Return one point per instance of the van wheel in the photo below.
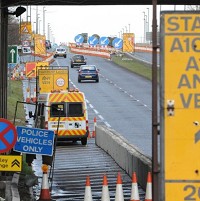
(83, 141)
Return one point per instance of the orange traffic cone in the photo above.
(88, 191)
(34, 96)
(45, 193)
(105, 192)
(28, 95)
(119, 196)
(148, 196)
(94, 131)
(134, 190)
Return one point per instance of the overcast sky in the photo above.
(66, 22)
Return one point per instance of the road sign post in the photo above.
(180, 106)
(12, 54)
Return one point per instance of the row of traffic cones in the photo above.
(30, 98)
(45, 192)
(119, 190)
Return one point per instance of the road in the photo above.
(121, 100)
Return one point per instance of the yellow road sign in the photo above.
(10, 163)
(25, 28)
(42, 65)
(128, 42)
(53, 80)
(180, 88)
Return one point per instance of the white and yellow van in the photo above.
(65, 112)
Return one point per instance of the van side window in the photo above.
(75, 110)
(57, 109)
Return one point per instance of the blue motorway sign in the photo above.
(34, 141)
(93, 40)
(104, 41)
(79, 39)
(117, 43)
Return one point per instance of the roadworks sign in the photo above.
(56, 79)
(10, 163)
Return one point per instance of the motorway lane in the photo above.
(121, 100)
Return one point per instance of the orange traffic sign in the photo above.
(30, 69)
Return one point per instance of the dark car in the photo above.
(88, 72)
(48, 44)
(78, 60)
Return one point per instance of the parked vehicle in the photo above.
(68, 111)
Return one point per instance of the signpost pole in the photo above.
(155, 170)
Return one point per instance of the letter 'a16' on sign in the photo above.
(8, 135)
(180, 105)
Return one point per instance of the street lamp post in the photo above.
(48, 35)
(129, 28)
(126, 29)
(44, 21)
(144, 26)
(37, 20)
(148, 20)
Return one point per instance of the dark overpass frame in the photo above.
(4, 4)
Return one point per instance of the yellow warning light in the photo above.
(45, 168)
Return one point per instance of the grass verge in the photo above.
(134, 65)
(15, 94)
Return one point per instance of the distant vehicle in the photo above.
(78, 60)
(48, 44)
(60, 52)
(88, 72)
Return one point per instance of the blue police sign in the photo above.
(104, 41)
(93, 40)
(34, 141)
(117, 43)
(79, 39)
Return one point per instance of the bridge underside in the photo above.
(96, 2)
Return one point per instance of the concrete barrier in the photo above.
(127, 156)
